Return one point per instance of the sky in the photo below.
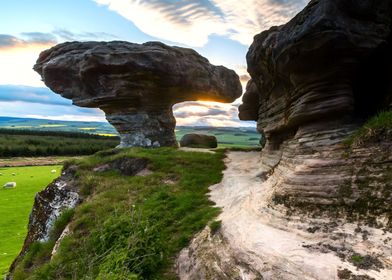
(220, 30)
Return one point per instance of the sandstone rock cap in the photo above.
(135, 84)
(104, 74)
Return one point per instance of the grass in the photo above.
(131, 227)
(371, 130)
(215, 226)
(16, 204)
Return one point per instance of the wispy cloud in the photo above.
(29, 39)
(26, 39)
(14, 93)
(191, 22)
(67, 35)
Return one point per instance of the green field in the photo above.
(16, 204)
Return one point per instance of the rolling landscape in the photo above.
(196, 140)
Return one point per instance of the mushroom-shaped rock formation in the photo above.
(136, 85)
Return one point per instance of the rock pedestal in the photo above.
(136, 85)
(144, 128)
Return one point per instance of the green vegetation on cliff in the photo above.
(374, 128)
(130, 227)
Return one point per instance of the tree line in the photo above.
(27, 143)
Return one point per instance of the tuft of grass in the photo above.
(132, 227)
(371, 130)
(215, 226)
(356, 259)
(60, 224)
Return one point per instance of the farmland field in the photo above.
(16, 204)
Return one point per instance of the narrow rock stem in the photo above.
(144, 127)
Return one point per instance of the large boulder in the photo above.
(194, 140)
(136, 85)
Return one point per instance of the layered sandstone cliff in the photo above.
(316, 204)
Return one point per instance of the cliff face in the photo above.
(314, 81)
(317, 204)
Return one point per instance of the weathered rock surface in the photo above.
(311, 207)
(258, 241)
(194, 140)
(314, 81)
(136, 85)
(126, 166)
(49, 204)
(331, 61)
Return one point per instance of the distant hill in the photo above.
(227, 136)
(54, 125)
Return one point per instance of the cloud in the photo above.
(31, 39)
(64, 34)
(192, 22)
(39, 37)
(197, 113)
(208, 112)
(14, 93)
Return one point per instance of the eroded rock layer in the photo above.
(314, 81)
(315, 205)
(136, 85)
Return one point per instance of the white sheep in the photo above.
(53, 171)
(9, 185)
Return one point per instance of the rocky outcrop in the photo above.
(135, 85)
(194, 140)
(257, 240)
(314, 81)
(62, 194)
(313, 206)
(126, 166)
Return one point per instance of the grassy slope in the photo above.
(15, 206)
(131, 227)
